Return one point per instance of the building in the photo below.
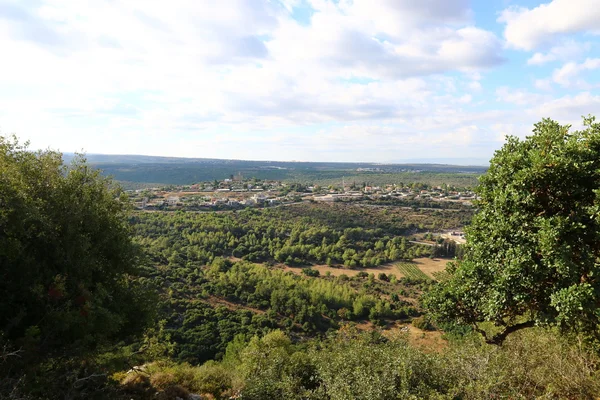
(172, 200)
(327, 198)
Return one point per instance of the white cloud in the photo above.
(543, 84)
(569, 108)
(396, 18)
(529, 28)
(570, 50)
(355, 38)
(569, 74)
(518, 97)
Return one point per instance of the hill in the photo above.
(133, 170)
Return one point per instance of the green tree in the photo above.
(67, 264)
(533, 249)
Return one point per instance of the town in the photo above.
(237, 192)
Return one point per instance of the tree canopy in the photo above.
(66, 257)
(533, 248)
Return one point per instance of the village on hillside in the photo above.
(236, 192)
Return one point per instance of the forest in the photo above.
(296, 235)
(224, 271)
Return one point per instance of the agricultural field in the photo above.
(440, 276)
(432, 267)
(411, 270)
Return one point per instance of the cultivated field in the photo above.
(411, 270)
(419, 268)
(432, 267)
(335, 271)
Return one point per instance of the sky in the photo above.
(308, 80)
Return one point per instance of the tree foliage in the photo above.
(66, 257)
(532, 254)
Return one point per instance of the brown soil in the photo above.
(429, 266)
(323, 269)
(425, 264)
(427, 340)
(430, 340)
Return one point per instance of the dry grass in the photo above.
(429, 265)
(425, 340)
(323, 269)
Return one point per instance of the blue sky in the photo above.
(313, 80)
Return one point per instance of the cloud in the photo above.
(518, 97)
(29, 26)
(365, 45)
(527, 29)
(569, 74)
(570, 50)
(543, 84)
(569, 108)
(396, 18)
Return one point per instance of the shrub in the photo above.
(161, 380)
(423, 323)
(310, 272)
(213, 379)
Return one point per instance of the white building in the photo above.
(172, 200)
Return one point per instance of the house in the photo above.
(326, 198)
(259, 198)
(172, 200)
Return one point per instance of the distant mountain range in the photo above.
(484, 162)
(142, 159)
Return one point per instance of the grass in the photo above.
(410, 270)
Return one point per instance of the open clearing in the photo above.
(431, 265)
(426, 340)
(426, 265)
(335, 271)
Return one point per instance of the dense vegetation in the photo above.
(206, 306)
(296, 235)
(369, 366)
(534, 247)
(68, 266)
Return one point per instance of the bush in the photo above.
(423, 323)
(213, 379)
(310, 272)
(162, 380)
(173, 393)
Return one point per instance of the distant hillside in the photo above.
(137, 169)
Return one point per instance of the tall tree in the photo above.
(67, 263)
(532, 252)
